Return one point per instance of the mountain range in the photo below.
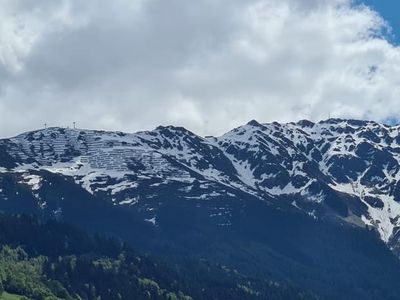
(313, 204)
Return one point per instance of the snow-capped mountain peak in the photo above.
(348, 170)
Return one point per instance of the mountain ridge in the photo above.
(345, 169)
(313, 204)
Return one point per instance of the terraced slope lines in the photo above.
(343, 170)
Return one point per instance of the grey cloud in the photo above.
(207, 65)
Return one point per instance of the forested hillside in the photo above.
(56, 261)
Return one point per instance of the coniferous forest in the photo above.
(51, 260)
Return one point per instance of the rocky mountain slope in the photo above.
(345, 169)
(268, 198)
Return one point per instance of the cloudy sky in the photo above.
(208, 65)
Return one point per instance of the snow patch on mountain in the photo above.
(301, 162)
(34, 181)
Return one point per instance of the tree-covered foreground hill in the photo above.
(56, 261)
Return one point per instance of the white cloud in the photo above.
(207, 65)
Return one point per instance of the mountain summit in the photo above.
(302, 202)
(346, 170)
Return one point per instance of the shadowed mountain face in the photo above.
(271, 198)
